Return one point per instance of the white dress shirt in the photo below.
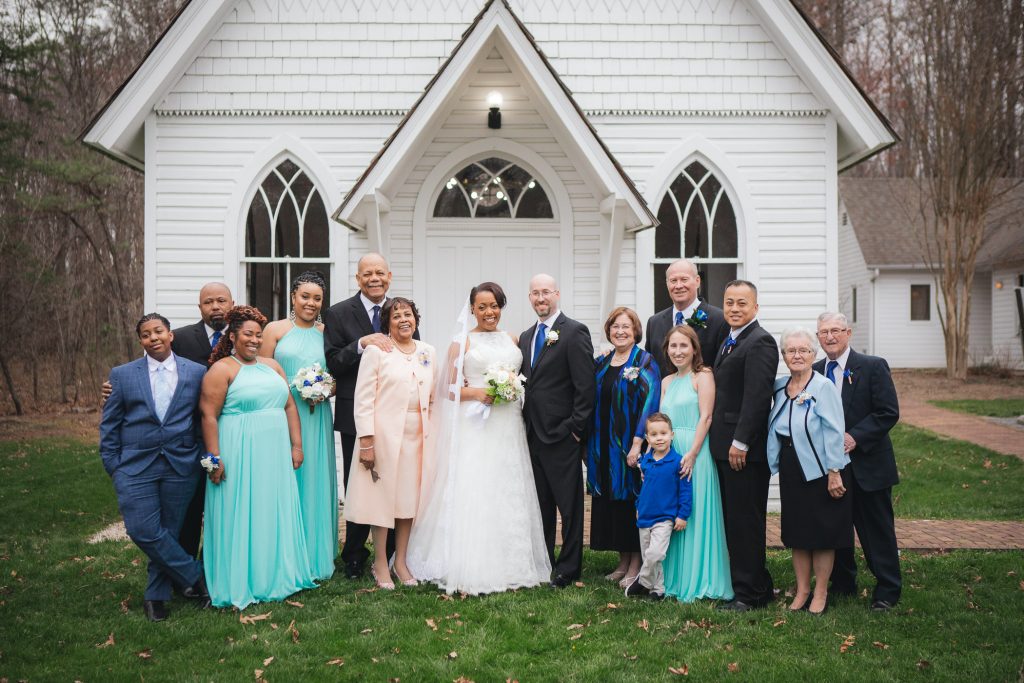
(210, 332)
(687, 312)
(368, 305)
(170, 366)
(843, 359)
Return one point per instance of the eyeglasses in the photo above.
(798, 352)
(541, 293)
(833, 332)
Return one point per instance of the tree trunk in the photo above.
(11, 389)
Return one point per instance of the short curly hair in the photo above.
(390, 305)
(234, 319)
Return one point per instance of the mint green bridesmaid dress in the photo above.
(318, 477)
(697, 563)
(254, 548)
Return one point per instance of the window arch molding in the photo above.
(512, 151)
(659, 182)
(281, 148)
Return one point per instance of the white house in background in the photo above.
(891, 297)
(632, 133)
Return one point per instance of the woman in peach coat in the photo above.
(392, 415)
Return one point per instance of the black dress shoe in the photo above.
(562, 581)
(155, 610)
(198, 592)
(637, 589)
(881, 606)
(735, 606)
(354, 569)
(656, 597)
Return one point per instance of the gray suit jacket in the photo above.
(711, 336)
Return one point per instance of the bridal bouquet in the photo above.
(314, 385)
(504, 383)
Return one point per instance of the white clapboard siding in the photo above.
(1006, 346)
(345, 54)
(854, 273)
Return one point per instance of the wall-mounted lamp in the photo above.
(999, 284)
(494, 101)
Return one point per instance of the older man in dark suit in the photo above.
(683, 282)
(349, 327)
(871, 409)
(745, 368)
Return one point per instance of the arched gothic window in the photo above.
(493, 188)
(286, 232)
(697, 222)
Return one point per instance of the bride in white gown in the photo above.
(478, 529)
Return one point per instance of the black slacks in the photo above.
(192, 524)
(874, 521)
(354, 550)
(744, 507)
(558, 474)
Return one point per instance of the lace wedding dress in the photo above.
(479, 526)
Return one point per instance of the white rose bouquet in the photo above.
(314, 385)
(504, 383)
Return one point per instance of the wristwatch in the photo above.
(833, 471)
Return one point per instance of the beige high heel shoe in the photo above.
(385, 585)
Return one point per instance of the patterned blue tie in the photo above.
(375, 320)
(538, 343)
(161, 392)
(830, 370)
(215, 339)
(679, 318)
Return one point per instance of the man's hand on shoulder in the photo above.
(378, 339)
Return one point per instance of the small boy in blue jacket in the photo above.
(661, 508)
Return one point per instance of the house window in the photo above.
(697, 222)
(493, 188)
(853, 305)
(920, 302)
(286, 232)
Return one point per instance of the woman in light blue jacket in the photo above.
(805, 446)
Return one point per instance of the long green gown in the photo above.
(254, 548)
(697, 563)
(318, 477)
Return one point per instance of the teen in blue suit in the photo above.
(150, 449)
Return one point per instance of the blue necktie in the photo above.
(538, 343)
(215, 338)
(727, 346)
(375, 321)
(161, 392)
(830, 370)
(679, 317)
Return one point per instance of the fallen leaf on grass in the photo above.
(779, 623)
(247, 619)
(572, 627)
(576, 636)
(432, 624)
(679, 670)
(987, 464)
(1022, 585)
(394, 680)
(880, 645)
(374, 660)
(579, 584)
(848, 642)
(444, 597)
(453, 655)
(630, 657)
(267, 661)
(258, 673)
(644, 624)
(294, 603)
(365, 631)
(365, 590)
(337, 661)
(294, 631)
(124, 605)
(462, 679)
(965, 486)
(923, 664)
(604, 621)
(733, 667)
(273, 626)
(612, 605)
(145, 654)
(106, 643)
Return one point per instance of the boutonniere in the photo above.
(848, 376)
(424, 359)
(803, 397)
(631, 373)
(699, 319)
(551, 338)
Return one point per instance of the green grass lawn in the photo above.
(62, 601)
(997, 407)
(943, 478)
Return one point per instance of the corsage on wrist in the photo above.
(210, 463)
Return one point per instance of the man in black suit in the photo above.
(745, 368)
(195, 342)
(683, 283)
(349, 327)
(871, 409)
(558, 362)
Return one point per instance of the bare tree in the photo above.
(960, 71)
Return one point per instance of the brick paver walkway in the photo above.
(980, 431)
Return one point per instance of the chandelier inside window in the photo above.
(493, 188)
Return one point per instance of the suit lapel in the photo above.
(721, 357)
(848, 385)
(201, 338)
(555, 327)
(182, 378)
(142, 374)
(527, 351)
(359, 312)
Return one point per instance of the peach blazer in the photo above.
(381, 405)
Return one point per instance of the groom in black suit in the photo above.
(349, 327)
(558, 362)
(871, 410)
(745, 368)
(683, 283)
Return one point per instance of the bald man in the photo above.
(349, 327)
(683, 283)
(558, 362)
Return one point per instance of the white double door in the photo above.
(458, 261)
